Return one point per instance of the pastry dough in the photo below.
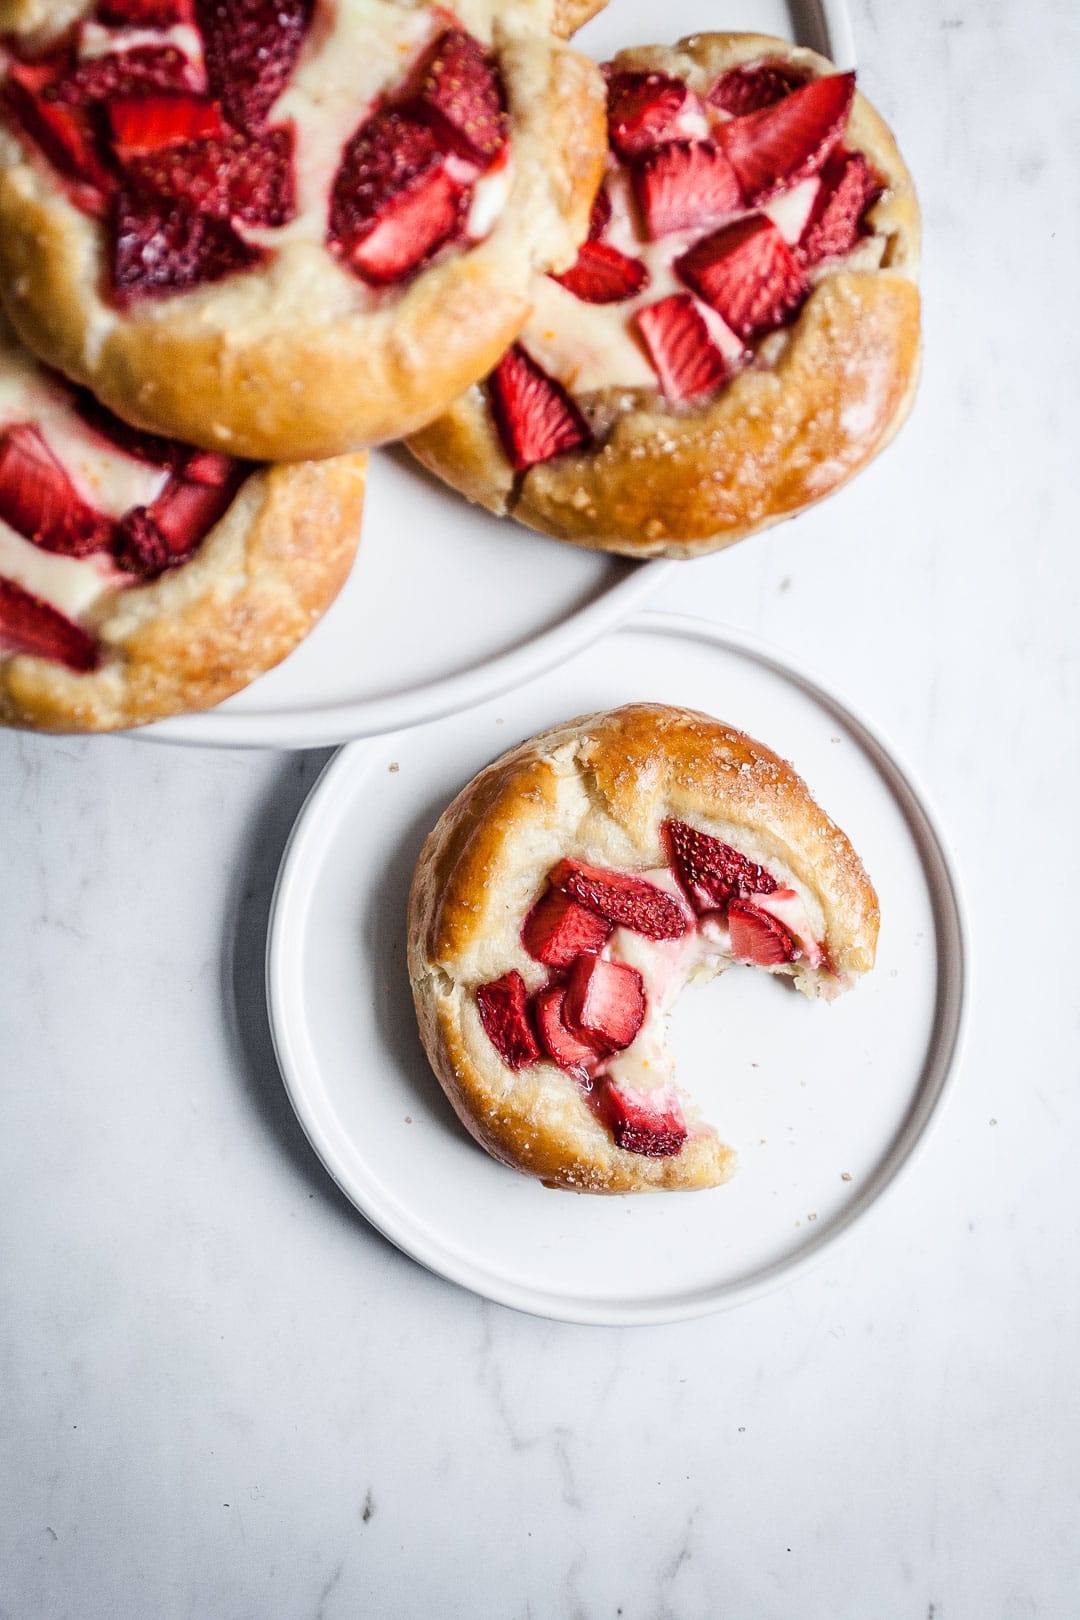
(606, 791)
(823, 395)
(297, 356)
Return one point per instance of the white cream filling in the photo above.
(71, 584)
(95, 40)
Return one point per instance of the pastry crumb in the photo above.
(394, 766)
(845, 1175)
(408, 1119)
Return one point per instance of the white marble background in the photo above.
(223, 1396)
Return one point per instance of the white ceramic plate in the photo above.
(825, 1103)
(447, 605)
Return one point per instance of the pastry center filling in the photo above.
(619, 949)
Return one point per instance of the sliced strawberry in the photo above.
(39, 501)
(248, 180)
(775, 147)
(756, 937)
(848, 188)
(747, 272)
(748, 89)
(629, 901)
(686, 359)
(459, 96)
(504, 1013)
(143, 124)
(34, 627)
(557, 930)
(146, 13)
(570, 1052)
(603, 275)
(394, 201)
(251, 49)
(162, 246)
(534, 414)
(600, 217)
(153, 538)
(605, 1003)
(685, 185)
(143, 70)
(646, 109)
(709, 871)
(65, 134)
(647, 1122)
(206, 467)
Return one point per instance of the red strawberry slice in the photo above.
(34, 627)
(570, 1052)
(645, 109)
(605, 1003)
(631, 902)
(459, 96)
(146, 13)
(848, 188)
(394, 202)
(534, 414)
(504, 1013)
(557, 930)
(775, 147)
(748, 89)
(153, 538)
(142, 124)
(162, 246)
(600, 217)
(685, 185)
(647, 1122)
(39, 501)
(709, 871)
(686, 359)
(603, 275)
(143, 70)
(747, 272)
(65, 134)
(758, 938)
(251, 49)
(247, 180)
(206, 467)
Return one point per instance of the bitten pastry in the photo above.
(284, 229)
(565, 898)
(140, 577)
(739, 334)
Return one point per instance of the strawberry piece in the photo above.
(600, 216)
(142, 124)
(646, 109)
(848, 188)
(248, 180)
(747, 272)
(557, 930)
(647, 1122)
(146, 13)
(394, 202)
(206, 467)
(534, 414)
(251, 49)
(143, 70)
(748, 89)
(775, 147)
(504, 1013)
(65, 134)
(39, 501)
(570, 1052)
(629, 901)
(34, 627)
(686, 359)
(459, 97)
(758, 938)
(165, 246)
(603, 275)
(685, 185)
(709, 871)
(605, 1003)
(152, 538)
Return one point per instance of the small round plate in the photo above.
(825, 1103)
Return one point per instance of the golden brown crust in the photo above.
(679, 482)
(260, 581)
(295, 361)
(598, 789)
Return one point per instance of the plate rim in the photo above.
(954, 991)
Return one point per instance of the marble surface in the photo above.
(223, 1395)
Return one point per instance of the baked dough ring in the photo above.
(680, 481)
(259, 581)
(598, 790)
(298, 358)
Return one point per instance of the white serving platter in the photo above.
(448, 606)
(825, 1103)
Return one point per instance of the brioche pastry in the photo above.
(739, 335)
(282, 229)
(566, 896)
(139, 577)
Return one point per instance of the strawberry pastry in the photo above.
(738, 335)
(140, 577)
(286, 228)
(566, 897)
